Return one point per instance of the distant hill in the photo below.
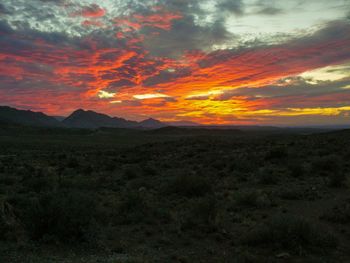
(94, 120)
(183, 124)
(152, 123)
(27, 117)
(191, 131)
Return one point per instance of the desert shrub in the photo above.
(204, 210)
(337, 179)
(277, 152)
(149, 170)
(64, 217)
(131, 172)
(290, 232)
(296, 169)
(72, 163)
(7, 180)
(136, 208)
(190, 185)
(292, 193)
(269, 175)
(199, 214)
(327, 164)
(251, 198)
(38, 183)
(242, 164)
(10, 228)
(340, 213)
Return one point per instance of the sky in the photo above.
(243, 62)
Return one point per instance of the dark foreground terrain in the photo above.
(173, 196)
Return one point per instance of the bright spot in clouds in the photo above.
(150, 96)
(105, 95)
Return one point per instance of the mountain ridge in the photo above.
(80, 118)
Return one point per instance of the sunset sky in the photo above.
(260, 62)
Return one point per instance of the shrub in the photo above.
(251, 198)
(131, 172)
(10, 227)
(199, 214)
(290, 232)
(296, 169)
(190, 186)
(132, 209)
(278, 152)
(61, 217)
(269, 175)
(339, 213)
(337, 179)
(327, 164)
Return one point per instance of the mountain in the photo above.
(27, 117)
(93, 120)
(59, 118)
(183, 124)
(194, 131)
(78, 119)
(152, 124)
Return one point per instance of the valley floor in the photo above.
(104, 197)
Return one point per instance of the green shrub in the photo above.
(190, 186)
(290, 232)
(269, 175)
(327, 164)
(251, 198)
(340, 213)
(64, 217)
(199, 214)
(135, 208)
(296, 169)
(277, 152)
(337, 179)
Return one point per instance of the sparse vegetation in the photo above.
(111, 197)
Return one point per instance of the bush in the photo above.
(251, 198)
(296, 169)
(327, 164)
(339, 213)
(276, 153)
(290, 232)
(64, 217)
(190, 186)
(199, 215)
(337, 179)
(10, 227)
(269, 175)
(132, 209)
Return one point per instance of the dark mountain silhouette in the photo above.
(78, 119)
(190, 131)
(27, 117)
(152, 123)
(93, 120)
(183, 124)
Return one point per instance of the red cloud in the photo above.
(92, 11)
(88, 23)
(160, 18)
(73, 76)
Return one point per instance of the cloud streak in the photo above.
(171, 60)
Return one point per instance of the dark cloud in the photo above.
(289, 87)
(270, 11)
(232, 6)
(5, 28)
(4, 10)
(185, 36)
(166, 76)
